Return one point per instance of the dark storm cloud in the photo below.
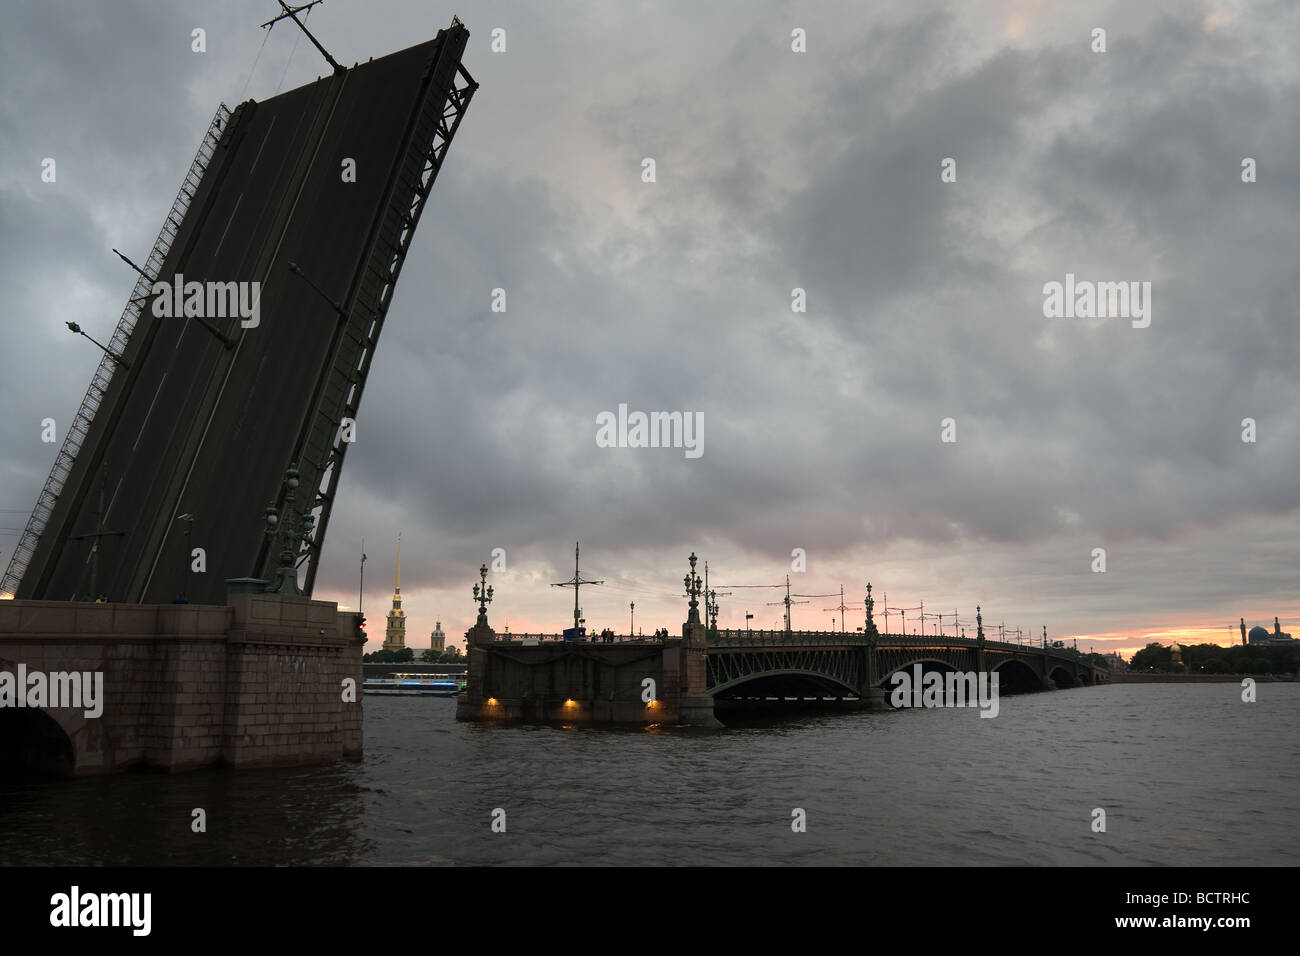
(775, 170)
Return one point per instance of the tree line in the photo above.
(406, 655)
(1216, 659)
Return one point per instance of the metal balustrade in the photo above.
(777, 638)
(517, 638)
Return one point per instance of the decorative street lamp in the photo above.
(185, 582)
(73, 326)
(692, 582)
(483, 594)
(289, 532)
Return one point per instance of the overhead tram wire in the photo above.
(637, 591)
(265, 36)
(297, 39)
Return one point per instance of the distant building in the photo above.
(395, 633)
(437, 640)
(1115, 662)
(1260, 635)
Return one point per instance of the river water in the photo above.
(1187, 774)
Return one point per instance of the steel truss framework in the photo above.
(893, 659)
(320, 456)
(843, 667)
(851, 663)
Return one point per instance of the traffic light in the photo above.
(360, 628)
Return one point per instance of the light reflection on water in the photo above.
(1187, 774)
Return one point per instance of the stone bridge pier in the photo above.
(260, 681)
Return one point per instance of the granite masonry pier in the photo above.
(265, 680)
(631, 682)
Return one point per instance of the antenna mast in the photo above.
(575, 582)
(292, 13)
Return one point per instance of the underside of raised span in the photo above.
(201, 419)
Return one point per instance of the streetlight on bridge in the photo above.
(188, 518)
(74, 327)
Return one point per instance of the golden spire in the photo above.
(397, 582)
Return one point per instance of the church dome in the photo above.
(1258, 633)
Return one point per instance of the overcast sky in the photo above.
(775, 170)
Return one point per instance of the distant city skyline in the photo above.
(782, 180)
(548, 611)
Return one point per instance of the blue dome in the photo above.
(1258, 633)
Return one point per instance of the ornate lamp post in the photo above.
(693, 583)
(870, 629)
(74, 327)
(483, 594)
(188, 518)
(288, 531)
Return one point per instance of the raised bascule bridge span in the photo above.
(172, 552)
(688, 678)
(307, 201)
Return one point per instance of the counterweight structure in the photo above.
(202, 419)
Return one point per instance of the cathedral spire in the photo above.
(395, 633)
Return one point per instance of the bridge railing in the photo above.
(519, 638)
(777, 638)
(726, 637)
(745, 638)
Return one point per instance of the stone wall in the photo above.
(258, 682)
(573, 682)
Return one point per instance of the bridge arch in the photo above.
(32, 741)
(1016, 676)
(930, 665)
(927, 664)
(36, 740)
(783, 683)
(1063, 676)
